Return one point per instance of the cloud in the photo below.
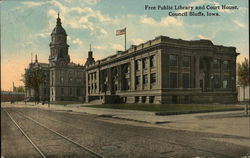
(202, 37)
(30, 4)
(117, 47)
(77, 41)
(137, 41)
(44, 34)
(103, 31)
(85, 18)
(100, 47)
(69, 38)
(166, 21)
(240, 24)
(90, 2)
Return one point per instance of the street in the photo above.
(64, 133)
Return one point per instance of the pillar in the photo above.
(197, 72)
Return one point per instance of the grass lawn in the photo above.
(65, 102)
(171, 108)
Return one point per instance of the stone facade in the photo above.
(165, 70)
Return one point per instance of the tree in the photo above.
(32, 79)
(243, 75)
(19, 89)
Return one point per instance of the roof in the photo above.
(59, 29)
(193, 44)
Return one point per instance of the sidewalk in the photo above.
(227, 123)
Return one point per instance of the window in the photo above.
(44, 91)
(143, 99)
(174, 99)
(225, 65)
(62, 91)
(216, 81)
(216, 64)
(225, 81)
(186, 80)
(137, 67)
(173, 80)
(152, 61)
(137, 80)
(127, 83)
(78, 80)
(126, 68)
(144, 63)
(136, 99)
(186, 61)
(145, 79)
(151, 99)
(89, 77)
(186, 99)
(153, 78)
(70, 80)
(173, 60)
(61, 80)
(78, 91)
(70, 91)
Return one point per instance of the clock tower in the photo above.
(58, 46)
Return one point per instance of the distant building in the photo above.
(7, 96)
(165, 70)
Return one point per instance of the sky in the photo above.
(26, 27)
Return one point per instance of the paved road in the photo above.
(108, 137)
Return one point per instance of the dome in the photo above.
(58, 29)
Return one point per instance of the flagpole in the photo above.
(125, 38)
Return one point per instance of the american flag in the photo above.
(121, 32)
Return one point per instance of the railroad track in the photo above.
(53, 138)
(147, 137)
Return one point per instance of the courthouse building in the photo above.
(64, 80)
(165, 70)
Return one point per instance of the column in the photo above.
(192, 72)
(211, 77)
(233, 77)
(119, 77)
(141, 73)
(179, 71)
(132, 74)
(197, 72)
(148, 72)
(98, 80)
(109, 80)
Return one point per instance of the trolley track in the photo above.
(52, 139)
(155, 140)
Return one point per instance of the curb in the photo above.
(193, 112)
